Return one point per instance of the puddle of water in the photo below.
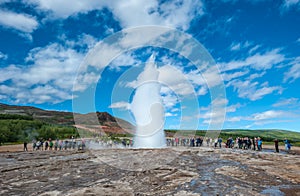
(272, 191)
(210, 183)
(69, 157)
(273, 151)
(7, 161)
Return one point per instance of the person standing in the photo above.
(33, 145)
(50, 144)
(46, 145)
(42, 144)
(287, 144)
(56, 145)
(207, 141)
(198, 142)
(38, 145)
(240, 142)
(192, 141)
(276, 142)
(259, 144)
(249, 143)
(254, 143)
(216, 142)
(220, 142)
(25, 146)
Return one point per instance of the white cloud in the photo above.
(8, 90)
(291, 102)
(169, 99)
(169, 114)
(120, 105)
(191, 82)
(216, 116)
(270, 114)
(265, 117)
(231, 76)
(202, 91)
(233, 108)
(294, 72)
(64, 9)
(4, 1)
(236, 46)
(84, 80)
(260, 93)
(9, 72)
(289, 3)
(183, 86)
(38, 95)
(220, 102)
(252, 90)
(276, 121)
(21, 22)
(52, 63)
(253, 67)
(234, 119)
(179, 13)
(124, 60)
(258, 61)
(256, 75)
(3, 97)
(209, 77)
(47, 93)
(254, 48)
(3, 56)
(179, 84)
(130, 13)
(215, 112)
(48, 75)
(85, 41)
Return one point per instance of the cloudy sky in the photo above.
(255, 45)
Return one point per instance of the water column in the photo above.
(148, 110)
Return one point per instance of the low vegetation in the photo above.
(18, 128)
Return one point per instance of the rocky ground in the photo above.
(171, 171)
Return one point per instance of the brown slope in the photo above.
(104, 121)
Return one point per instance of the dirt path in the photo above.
(15, 148)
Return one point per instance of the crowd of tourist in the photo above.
(57, 144)
(245, 143)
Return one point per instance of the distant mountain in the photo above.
(102, 121)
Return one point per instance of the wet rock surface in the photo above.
(176, 171)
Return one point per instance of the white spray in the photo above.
(148, 110)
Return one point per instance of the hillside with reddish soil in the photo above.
(104, 122)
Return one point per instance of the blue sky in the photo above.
(255, 45)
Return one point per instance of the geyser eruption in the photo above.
(148, 110)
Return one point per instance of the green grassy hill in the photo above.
(272, 133)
